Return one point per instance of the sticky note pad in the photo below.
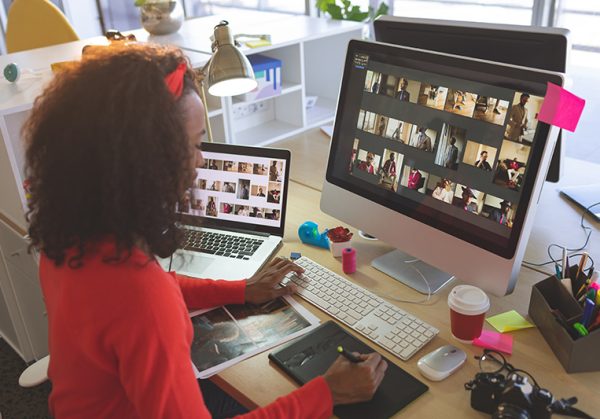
(508, 322)
(561, 108)
(496, 341)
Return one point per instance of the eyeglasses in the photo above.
(494, 362)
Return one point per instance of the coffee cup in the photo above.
(468, 305)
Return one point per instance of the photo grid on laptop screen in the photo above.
(238, 188)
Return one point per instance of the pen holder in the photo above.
(575, 355)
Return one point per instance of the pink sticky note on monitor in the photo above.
(561, 108)
(492, 340)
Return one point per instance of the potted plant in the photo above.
(345, 10)
(160, 17)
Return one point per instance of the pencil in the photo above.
(348, 355)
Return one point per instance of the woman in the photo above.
(443, 191)
(104, 190)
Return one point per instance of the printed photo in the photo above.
(372, 82)
(214, 185)
(441, 189)
(432, 96)
(229, 187)
(480, 155)
(422, 138)
(274, 192)
(215, 164)
(460, 102)
(243, 189)
(511, 166)
(499, 210)
(211, 206)
(522, 118)
(390, 169)
(451, 147)
(260, 169)
(260, 191)
(230, 166)
(491, 109)
(244, 167)
(367, 161)
(226, 208)
(413, 178)
(276, 171)
(469, 199)
(241, 210)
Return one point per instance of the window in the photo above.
(203, 7)
(516, 12)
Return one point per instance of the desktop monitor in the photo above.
(428, 155)
(535, 47)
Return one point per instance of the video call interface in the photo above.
(460, 147)
(237, 188)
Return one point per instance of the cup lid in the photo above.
(468, 300)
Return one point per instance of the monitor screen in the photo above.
(457, 150)
(236, 190)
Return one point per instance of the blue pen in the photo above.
(556, 267)
(587, 312)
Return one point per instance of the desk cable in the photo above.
(588, 232)
(425, 300)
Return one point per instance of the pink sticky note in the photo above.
(561, 108)
(492, 340)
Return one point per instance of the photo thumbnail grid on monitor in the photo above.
(237, 188)
(445, 143)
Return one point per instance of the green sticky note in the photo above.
(509, 322)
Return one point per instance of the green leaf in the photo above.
(383, 9)
(139, 3)
(321, 4)
(335, 11)
(356, 15)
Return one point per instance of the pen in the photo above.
(557, 270)
(565, 271)
(582, 263)
(581, 330)
(348, 355)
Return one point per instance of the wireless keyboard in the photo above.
(381, 322)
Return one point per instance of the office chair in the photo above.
(36, 24)
(35, 374)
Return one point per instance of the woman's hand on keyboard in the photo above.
(264, 285)
(355, 382)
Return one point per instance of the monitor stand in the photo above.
(400, 266)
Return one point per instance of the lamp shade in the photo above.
(229, 71)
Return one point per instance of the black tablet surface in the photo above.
(311, 355)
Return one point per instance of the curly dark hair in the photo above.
(107, 153)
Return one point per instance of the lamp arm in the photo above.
(202, 75)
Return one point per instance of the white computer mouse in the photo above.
(442, 362)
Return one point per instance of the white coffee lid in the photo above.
(468, 300)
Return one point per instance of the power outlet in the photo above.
(244, 110)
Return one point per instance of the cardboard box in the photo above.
(575, 355)
(268, 75)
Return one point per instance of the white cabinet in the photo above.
(24, 323)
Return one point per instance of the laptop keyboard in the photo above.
(221, 244)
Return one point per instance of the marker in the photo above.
(348, 355)
(587, 312)
(580, 329)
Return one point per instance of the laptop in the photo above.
(234, 213)
(585, 196)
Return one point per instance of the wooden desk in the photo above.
(256, 382)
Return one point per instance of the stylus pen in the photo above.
(348, 355)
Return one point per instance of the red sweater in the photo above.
(120, 337)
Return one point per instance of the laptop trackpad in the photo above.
(191, 262)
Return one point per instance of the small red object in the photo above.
(349, 260)
(339, 234)
(174, 80)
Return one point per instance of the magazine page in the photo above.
(227, 335)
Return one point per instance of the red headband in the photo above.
(174, 80)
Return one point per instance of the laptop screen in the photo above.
(238, 187)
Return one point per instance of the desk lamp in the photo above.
(228, 72)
